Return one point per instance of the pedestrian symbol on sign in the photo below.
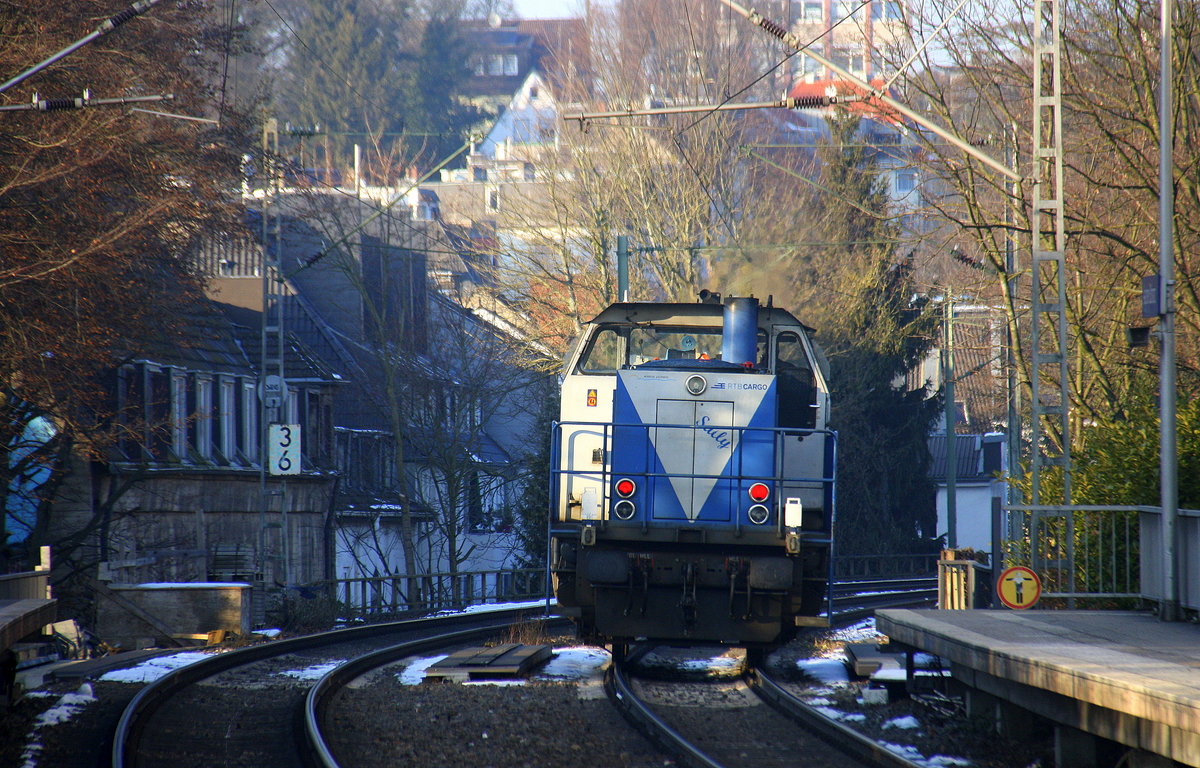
(1018, 587)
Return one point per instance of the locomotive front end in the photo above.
(703, 509)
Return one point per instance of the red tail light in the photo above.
(625, 487)
(759, 492)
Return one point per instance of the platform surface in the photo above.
(19, 618)
(1128, 663)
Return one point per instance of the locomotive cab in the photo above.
(692, 481)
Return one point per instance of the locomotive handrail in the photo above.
(604, 473)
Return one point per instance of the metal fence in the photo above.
(884, 566)
(1102, 554)
(398, 594)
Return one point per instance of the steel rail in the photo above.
(320, 695)
(153, 696)
(844, 738)
(653, 727)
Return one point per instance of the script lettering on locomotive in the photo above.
(721, 437)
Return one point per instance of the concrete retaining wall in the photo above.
(188, 608)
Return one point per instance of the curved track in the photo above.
(320, 697)
(749, 721)
(681, 722)
(239, 708)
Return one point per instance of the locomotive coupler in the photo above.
(639, 576)
(738, 570)
(688, 603)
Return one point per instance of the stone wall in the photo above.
(178, 609)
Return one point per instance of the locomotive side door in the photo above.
(800, 408)
(692, 457)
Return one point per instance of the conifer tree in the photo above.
(873, 338)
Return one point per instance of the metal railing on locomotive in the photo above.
(398, 594)
(1095, 554)
(603, 477)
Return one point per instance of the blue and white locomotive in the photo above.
(692, 483)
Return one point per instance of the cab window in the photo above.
(795, 382)
(677, 343)
(605, 354)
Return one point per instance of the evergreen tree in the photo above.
(874, 336)
(339, 61)
(383, 74)
(437, 122)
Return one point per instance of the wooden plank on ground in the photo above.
(508, 660)
(866, 659)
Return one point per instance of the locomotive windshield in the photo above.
(614, 347)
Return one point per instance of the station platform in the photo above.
(19, 618)
(1122, 676)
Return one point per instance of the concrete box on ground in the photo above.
(183, 608)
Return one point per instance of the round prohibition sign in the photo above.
(1018, 587)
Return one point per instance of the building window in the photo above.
(510, 64)
(906, 181)
(493, 199)
(813, 11)
(202, 417)
(852, 63)
(226, 416)
(845, 8)
(179, 416)
(159, 414)
(887, 10)
(495, 66)
(248, 418)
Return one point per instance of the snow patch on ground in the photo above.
(830, 671)
(492, 607)
(716, 664)
(152, 669)
(414, 673)
(313, 671)
(845, 717)
(862, 632)
(914, 755)
(577, 663)
(906, 722)
(67, 706)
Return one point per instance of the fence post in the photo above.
(956, 581)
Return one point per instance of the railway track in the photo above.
(861, 598)
(239, 708)
(761, 723)
(746, 721)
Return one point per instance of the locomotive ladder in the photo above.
(1049, 377)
